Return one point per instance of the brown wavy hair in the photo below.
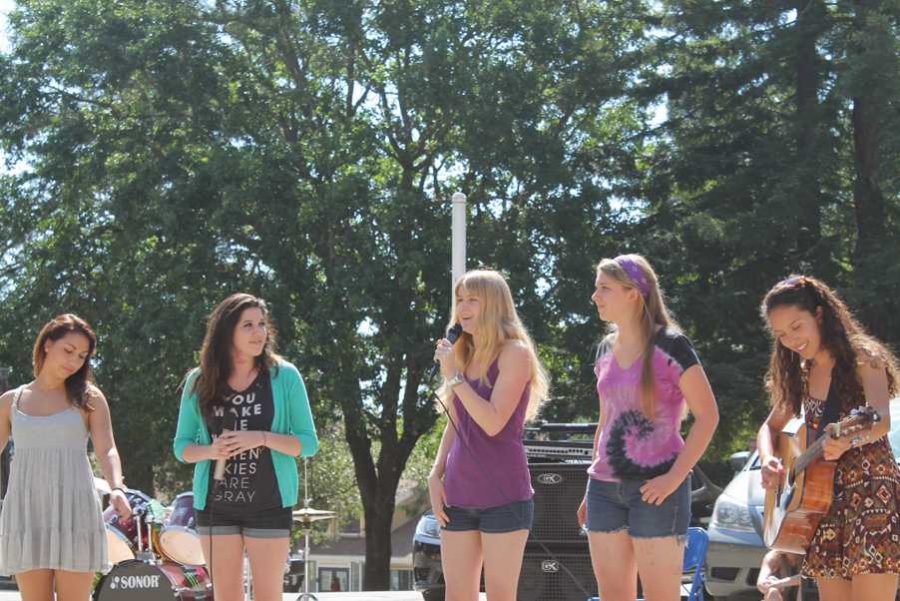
(78, 389)
(211, 386)
(654, 313)
(842, 335)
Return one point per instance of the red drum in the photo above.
(122, 536)
(141, 581)
(178, 539)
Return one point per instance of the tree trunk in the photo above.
(868, 200)
(807, 117)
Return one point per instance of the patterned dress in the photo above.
(861, 532)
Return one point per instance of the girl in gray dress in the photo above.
(52, 534)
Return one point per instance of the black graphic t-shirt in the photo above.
(250, 482)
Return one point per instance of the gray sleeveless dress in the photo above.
(51, 517)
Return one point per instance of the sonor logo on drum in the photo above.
(135, 582)
(550, 566)
(550, 478)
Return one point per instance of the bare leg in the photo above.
(267, 557)
(35, 585)
(461, 558)
(834, 589)
(227, 567)
(612, 555)
(73, 586)
(659, 562)
(874, 587)
(503, 555)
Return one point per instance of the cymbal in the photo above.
(308, 515)
(101, 486)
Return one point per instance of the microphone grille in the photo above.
(454, 332)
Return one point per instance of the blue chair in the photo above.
(694, 559)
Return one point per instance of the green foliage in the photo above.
(305, 151)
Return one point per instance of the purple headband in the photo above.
(634, 271)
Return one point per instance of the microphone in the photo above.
(452, 334)
(219, 473)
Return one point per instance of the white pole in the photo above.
(458, 258)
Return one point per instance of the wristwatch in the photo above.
(456, 380)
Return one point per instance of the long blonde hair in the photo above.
(499, 323)
(653, 314)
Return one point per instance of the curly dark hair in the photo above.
(842, 335)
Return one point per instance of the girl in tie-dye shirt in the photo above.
(637, 504)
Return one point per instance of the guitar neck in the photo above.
(812, 453)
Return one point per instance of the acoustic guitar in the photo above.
(795, 507)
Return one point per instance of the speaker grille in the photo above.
(558, 491)
(544, 577)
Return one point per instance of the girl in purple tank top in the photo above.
(637, 504)
(480, 487)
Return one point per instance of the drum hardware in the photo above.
(178, 537)
(305, 517)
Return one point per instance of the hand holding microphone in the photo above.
(443, 354)
(220, 453)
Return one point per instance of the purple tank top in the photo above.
(488, 471)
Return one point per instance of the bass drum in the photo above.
(134, 580)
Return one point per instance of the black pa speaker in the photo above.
(545, 577)
(558, 491)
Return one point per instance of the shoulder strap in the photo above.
(832, 409)
(19, 391)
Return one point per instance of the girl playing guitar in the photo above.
(818, 346)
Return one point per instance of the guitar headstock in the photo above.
(861, 418)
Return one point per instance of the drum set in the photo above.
(156, 553)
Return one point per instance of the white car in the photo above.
(736, 547)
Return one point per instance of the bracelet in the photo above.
(118, 488)
(456, 380)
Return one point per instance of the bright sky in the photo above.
(5, 7)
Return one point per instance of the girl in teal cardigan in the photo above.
(247, 406)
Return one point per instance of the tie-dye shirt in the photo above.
(630, 445)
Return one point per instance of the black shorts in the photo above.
(268, 523)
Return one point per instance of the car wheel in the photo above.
(433, 595)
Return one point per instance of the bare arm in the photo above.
(100, 423)
(768, 432)
(202, 452)
(447, 438)
(6, 400)
(700, 400)
(515, 371)
(100, 426)
(875, 387)
(772, 468)
(436, 495)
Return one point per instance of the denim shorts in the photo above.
(615, 506)
(269, 523)
(517, 515)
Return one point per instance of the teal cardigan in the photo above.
(292, 416)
